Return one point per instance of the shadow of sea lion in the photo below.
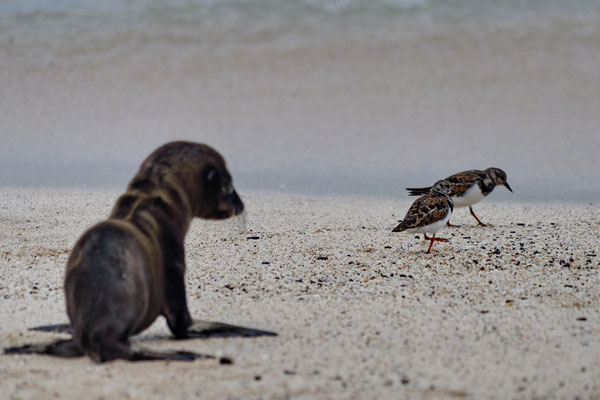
(202, 330)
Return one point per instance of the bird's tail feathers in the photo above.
(418, 191)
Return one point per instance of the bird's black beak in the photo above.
(508, 187)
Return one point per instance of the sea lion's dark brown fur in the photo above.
(126, 271)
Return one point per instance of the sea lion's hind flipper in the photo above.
(60, 348)
(151, 355)
(60, 328)
(206, 329)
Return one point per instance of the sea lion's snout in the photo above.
(231, 204)
(228, 205)
(238, 205)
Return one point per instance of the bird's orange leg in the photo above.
(473, 214)
(433, 239)
(430, 244)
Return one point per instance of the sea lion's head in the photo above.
(498, 177)
(193, 169)
(220, 200)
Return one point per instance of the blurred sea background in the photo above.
(360, 97)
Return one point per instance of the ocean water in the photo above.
(314, 96)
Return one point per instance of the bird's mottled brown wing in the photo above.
(462, 181)
(426, 210)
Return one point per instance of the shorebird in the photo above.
(470, 187)
(429, 213)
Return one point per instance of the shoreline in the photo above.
(509, 311)
(500, 195)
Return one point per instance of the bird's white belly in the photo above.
(471, 196)
(431, 228)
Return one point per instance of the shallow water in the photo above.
(318, 96)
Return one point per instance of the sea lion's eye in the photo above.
(211, 175)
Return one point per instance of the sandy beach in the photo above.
(507, 311)
(316, 105)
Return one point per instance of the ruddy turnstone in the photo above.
(429, 213)
(470, 187)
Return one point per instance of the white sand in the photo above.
(508, 311)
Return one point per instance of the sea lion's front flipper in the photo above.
(60, 328)
(206, 329)
(60, 348)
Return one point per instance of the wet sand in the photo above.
(349, 114)
(507, 311)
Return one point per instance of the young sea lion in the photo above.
(126, 271)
